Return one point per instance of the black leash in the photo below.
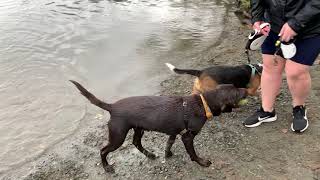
(248, 56)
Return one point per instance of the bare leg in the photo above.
(299, 82)
(271, 80)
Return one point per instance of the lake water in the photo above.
(115, 48)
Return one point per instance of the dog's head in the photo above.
(223, 98)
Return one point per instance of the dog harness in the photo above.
(253, 73)
(253, 70)
(206, 109)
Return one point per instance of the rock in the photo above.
(284, 131)
(98, 116)
(221, 164)
(315, 166)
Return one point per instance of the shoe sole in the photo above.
(263, 121)
(305, 128)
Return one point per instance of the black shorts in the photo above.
(307, 49)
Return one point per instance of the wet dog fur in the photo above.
(209, 78)
(166, 114)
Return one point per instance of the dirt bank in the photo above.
(267, 152)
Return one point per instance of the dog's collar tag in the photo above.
(184, 104)
(206, 108)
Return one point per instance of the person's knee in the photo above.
(270, 68)
(297, 73)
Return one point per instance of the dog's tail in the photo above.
(184, 71)
(94, 100)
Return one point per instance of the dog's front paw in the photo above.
(204, 162)
(109, 169)
(168, 154)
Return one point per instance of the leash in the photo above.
(248, 56)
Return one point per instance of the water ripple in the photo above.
(124, 43)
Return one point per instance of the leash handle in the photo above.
(257, 31)
(253, 40)
(279, 49)
(263, 25)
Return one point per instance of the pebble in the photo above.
(284, 130)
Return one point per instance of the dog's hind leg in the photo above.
(116, 138)
(187, 140)
(170, 142)
(138, 133)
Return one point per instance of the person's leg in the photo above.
(270, 83)
(270, 86)
(271, 80)
(299, 82)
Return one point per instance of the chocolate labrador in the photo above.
(172, 115)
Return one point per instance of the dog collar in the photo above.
(253, 70)
(206, 108)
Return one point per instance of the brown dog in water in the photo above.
(242, 76)
(172, 115)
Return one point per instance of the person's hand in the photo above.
(286, 33)
(265, 31)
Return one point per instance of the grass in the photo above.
(245, 4)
